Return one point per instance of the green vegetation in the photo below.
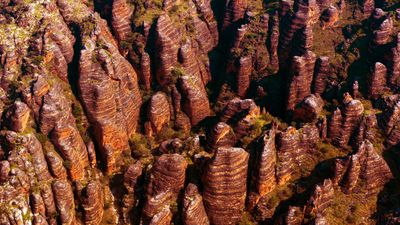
(141, 148)
(350, 208)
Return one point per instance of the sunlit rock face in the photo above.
(199, 112)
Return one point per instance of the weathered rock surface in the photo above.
(309, 109)
(344, 122)
(110, 93)
(363, 171)
(224, 183)
(93, 203)
(166, 181)
(194, 212)
(377, 80)
(159, 111)
(221, 135)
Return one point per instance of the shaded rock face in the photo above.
(93, 203)
(131, 176)
(18, 116)
(240, 114)
(159, 111)
(309, 109)
(225, 193)
(64, 199)
(265, 179)
(166, 181)
(364, 171)
(344, 122)
(296, 149)
(377, 80)
(234, 11)
(302, 71)
(193, 208)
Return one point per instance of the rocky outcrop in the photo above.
(365, 171)
(167, 178)
(321, 74)
(121, 19)
(394, 63)
(344, 122)
(129, 200)
(273, 43)
(309, 109)
(225, 193)
(265, 178)
(194, 212)
(64, 199)
(18, 116)
(367, 7)
(381, 36)
(159, 111)
(330, 17)
(296, 149)
(53, 112)
(110, 93)
(234, 11)
(221, 135)
(167, 49)
(368, 129)
(93, 203)
(377, 80)
(301, 78)
(195, 100)
(244, 75)
(321, 199)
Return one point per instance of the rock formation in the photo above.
(225, 193)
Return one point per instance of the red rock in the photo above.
(166, 180)
(167, 49)
(265, 179)
(56, 164)
(300, 82)
(129, 200)
(110, 93)
(244, 75)
(93, 203)
(365, 171)
(321, 74)
(330, 17)
(294, 216)
(381, 36)
(145, 73)
(195, 100)
(394, 63)
(222, 135)
(194, 212)
(377, 80)
(18, 116)
(321, 199)
(159, 111)
(235, 10)
(121, 19)
(273, 44)
(367, 7)
(309, 109)
(64, 199)
(163, 217)
(224, 183)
